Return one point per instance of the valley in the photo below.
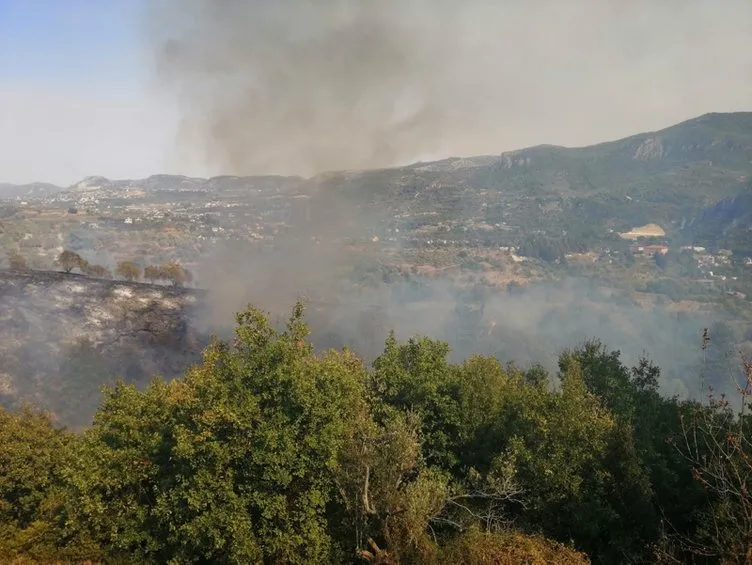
(642, 242)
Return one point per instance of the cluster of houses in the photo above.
(649, 249)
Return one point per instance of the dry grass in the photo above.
(649, 230)
(509, 548)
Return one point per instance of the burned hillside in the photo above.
(64, 335)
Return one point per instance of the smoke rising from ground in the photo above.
(529, 326)
(300, 87)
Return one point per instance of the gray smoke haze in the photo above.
(532, 326)
(300, 87)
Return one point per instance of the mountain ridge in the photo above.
(736, 124)
(666, 177)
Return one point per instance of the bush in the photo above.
(128, 270)
(97, 271)
(70, 260)
(508, 548)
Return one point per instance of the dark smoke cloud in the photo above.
(296, 86)
(308, 86)
(301, 87)
(532, 326)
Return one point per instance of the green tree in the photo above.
(388, 497)
(175, 274)
(69, 260)
(417, 376)
(566, 448)
(234, 463)
(606, 377)
(151, 273)
(98, 271)
(716, 441)
(632, 396)
(33, 458)
(128, 270)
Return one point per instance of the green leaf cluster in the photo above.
(271, 452)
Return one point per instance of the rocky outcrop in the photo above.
(49, 320)
(651, 148)
(729, 212)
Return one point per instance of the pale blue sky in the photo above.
(78, 95)
(68, 40)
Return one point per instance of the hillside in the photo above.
(391, 249)
(420, 451)
(31, 190)
(726, 223)
(665, 177)
(63, 335)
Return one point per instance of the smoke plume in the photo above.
(300, 87)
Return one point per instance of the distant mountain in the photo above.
(177, 183)
(31, 190)
(668, 177)
(720, 140)
(665, 177)
(726, 223)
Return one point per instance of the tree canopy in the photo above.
(69, 260)
(269, 451)
(128, 270)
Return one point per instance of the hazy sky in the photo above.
(75, 92)
(105, 86)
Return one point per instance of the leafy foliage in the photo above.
(717, 445)
(98, 271)
(33, 459)
(508, 548)
(234, 463)
(175, 274)
(69, 260)
(269, 452)
(128, 270)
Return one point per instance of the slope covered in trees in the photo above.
(269, 452)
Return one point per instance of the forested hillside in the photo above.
(284, 447)
(665, 177)
(269, 452)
